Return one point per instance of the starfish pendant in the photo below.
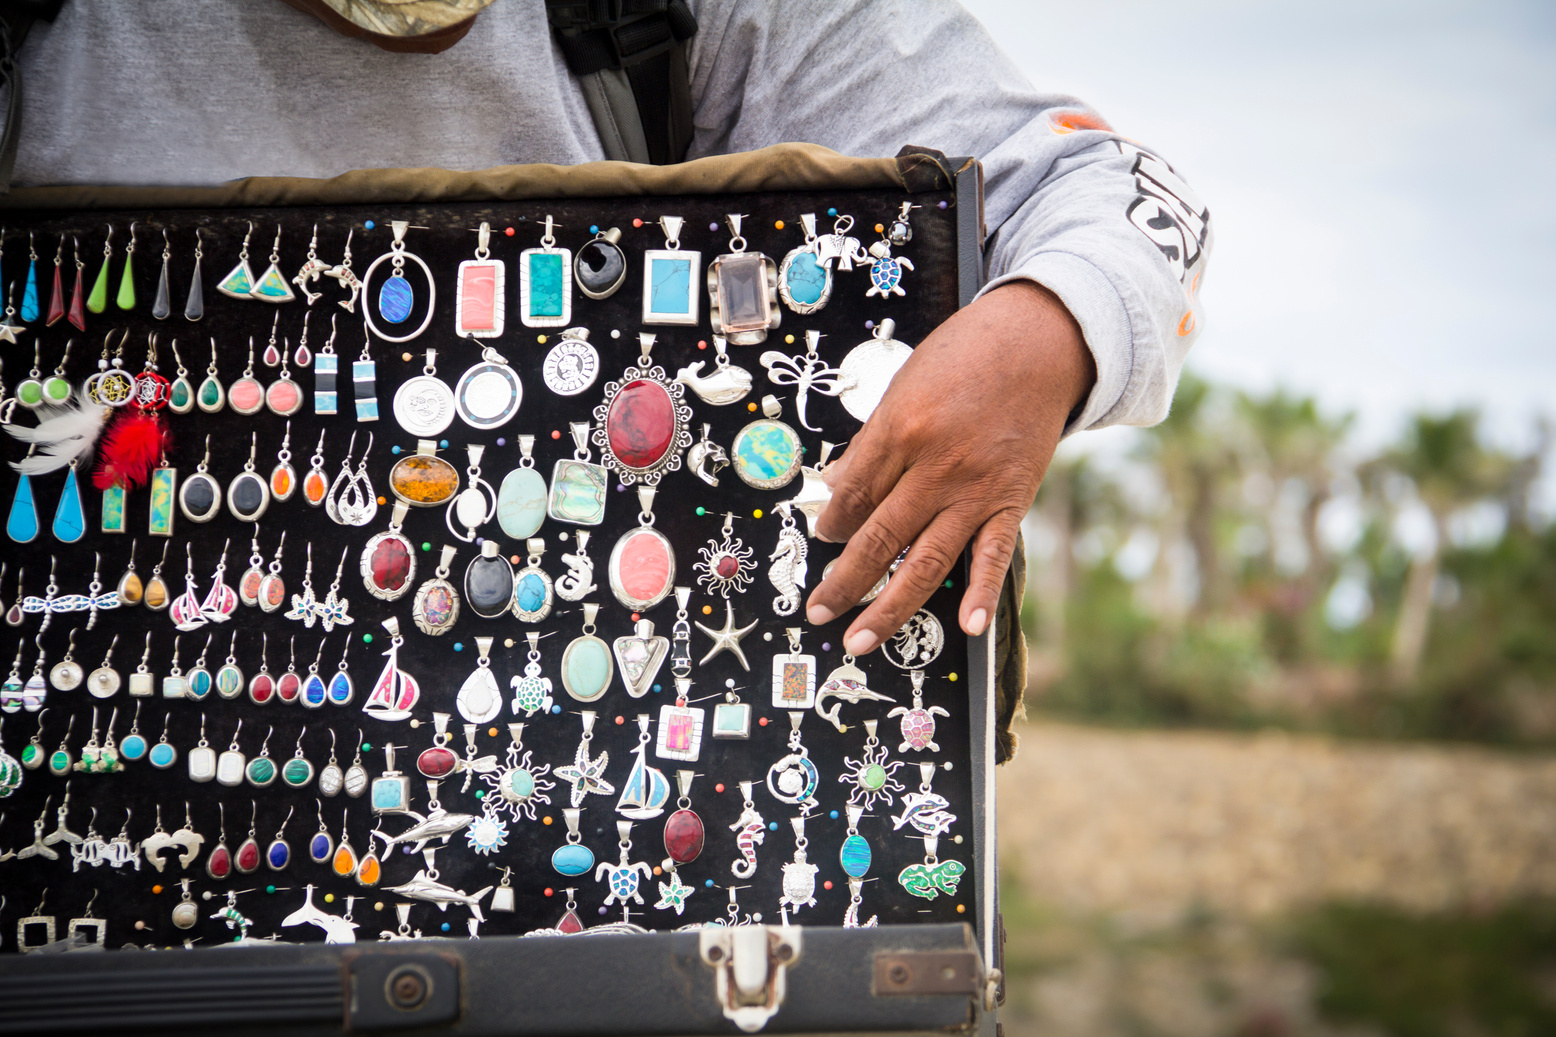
(586, 775)
(727, 639)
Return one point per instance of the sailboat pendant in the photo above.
(646, 790)
(185, 609)
(395, 692)
(221, 601)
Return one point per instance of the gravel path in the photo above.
(1152, 822)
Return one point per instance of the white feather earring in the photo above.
(71, 435)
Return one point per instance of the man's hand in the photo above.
(954, 453)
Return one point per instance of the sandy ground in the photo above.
(1150, 868)
(1154, 821)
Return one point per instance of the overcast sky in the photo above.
(1381, 176)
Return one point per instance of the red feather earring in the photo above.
(138, 439)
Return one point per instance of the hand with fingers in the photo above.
(953, 455)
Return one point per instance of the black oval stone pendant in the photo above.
(247, 496)
(489, 582)
(199, 498)
(600, 266)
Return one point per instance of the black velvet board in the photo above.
(125, 897)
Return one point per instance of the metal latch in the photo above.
(928, 972)
(750, 963)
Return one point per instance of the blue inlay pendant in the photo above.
(395, 299)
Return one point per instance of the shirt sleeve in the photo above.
(1102, 222)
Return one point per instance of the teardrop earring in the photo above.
(162, 306)
(194, 305)
(211, 396)
(180, 395)
(126, 298)
(97, 302)
(57, 293)
(130, 590)
(156, 597)
(77, 314)
(272, 356)
(30, 308)
(283, 477)
(303, 356)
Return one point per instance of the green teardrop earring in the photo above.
(97, 302)
(127, 280)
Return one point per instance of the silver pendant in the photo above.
(872, 776)
(680, 727)
(395, 296)
(794, 676)
(623, 878)
(532, 587)
(578, 486)
(728, 639)
(918, 723)
(546, 283)
(646, 790)
(726, 384)
(917, 644)
(639, 657)
(804, 278)
(426, 887)
(283, 477)
(934, 876)
(642, 564)
(670, 276)
(743, 291)
(799, 876)
(479, 699)
(794, 778)
(767, 452)
(925, 811)
(578, 582)
(750, 831)
(732, 717)
(806, 373)
(641, 427)
(531, 692)
(726, 564)
(388, 562)
(868, 369)
(480, 301)
(67, 674)
(248, 495)
(572, 365)
(886, 271)
(601, 266)
(489, 393)
(436, 608)
(586, 775)
(424, 404)
(706, 458)
(200, 497)
(586, 662)
(787, 568)
(847, 684)
(475, 505)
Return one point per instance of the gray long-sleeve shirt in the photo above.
(195, 92)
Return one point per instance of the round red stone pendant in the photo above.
(683, 836)
(262, 688)
(437, 762)
(288, 686)
(642, 568)
(388, 565)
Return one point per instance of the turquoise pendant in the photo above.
(22, 525)
(69, 518)
(521, 503)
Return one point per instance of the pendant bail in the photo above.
(580, 431)
(683, 781)
(397, 516)
(682, 686)
(392, 624)
(926, 773)
(855, 811)
(591, 611)
(683, 597)
(624, 831)
(795, 719)
(931, 846)
(646, 496)
(527, 448)
(572, 815)
(483, 646)
(671, 225)
(646, 340)
(885, 328)
(812, 342)
(588, 715)
(808, 225)
(449, 551)
(771, 408)
(474, 451)
(870, 727)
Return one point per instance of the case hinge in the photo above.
(750, 963)
(928, 972)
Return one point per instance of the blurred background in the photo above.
(1287, 766)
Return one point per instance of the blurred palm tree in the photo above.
(1450, 468)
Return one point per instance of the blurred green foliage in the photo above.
(1243, 567)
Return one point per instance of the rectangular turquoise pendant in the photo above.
(364, 383)
(670, 277)
(113, 509)
(326, 369)
(732, 720)
(545, 287)
(164, 481)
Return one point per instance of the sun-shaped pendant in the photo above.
(726, 564)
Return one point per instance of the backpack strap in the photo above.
(16, 18)
(630, 59)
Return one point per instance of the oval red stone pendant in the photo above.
(262, 688)
(315, 487)
(437, 762)
(642, 425)
(683, 836)
(288, 687)
(642, 564)
(388, 563)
